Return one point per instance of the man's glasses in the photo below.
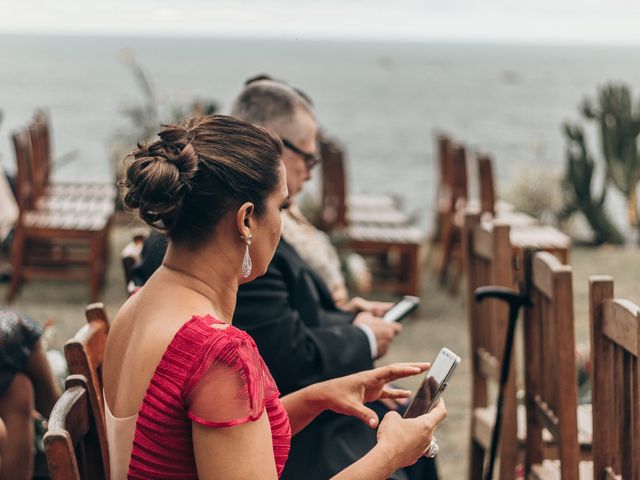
(310, 159)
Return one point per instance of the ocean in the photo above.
(384, 101)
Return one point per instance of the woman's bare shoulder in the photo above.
(139, 336)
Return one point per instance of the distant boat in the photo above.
(510, 76)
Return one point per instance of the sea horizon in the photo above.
(383, 99)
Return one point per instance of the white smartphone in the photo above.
(401, 309)
(434, 383)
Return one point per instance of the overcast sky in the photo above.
(519, 21)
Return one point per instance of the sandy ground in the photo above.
(440, 322)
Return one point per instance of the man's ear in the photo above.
(245, 220)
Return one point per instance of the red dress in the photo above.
(213, 375)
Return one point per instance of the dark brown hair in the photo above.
(184, 183)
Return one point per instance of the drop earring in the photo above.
(246, 261)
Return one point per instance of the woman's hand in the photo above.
(359, 304)
(347, 395)
(405, 440)
(401, 442)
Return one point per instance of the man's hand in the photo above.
(359, 304)
(384, 332)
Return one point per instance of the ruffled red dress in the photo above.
(211, 374)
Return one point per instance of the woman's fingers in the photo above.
(368, 416)
(400, 370)
(390, 392)
(437, 413)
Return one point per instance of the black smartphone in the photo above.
(434, 383)
(401, 309)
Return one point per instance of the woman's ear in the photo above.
(245, 220)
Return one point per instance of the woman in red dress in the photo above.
(187, 395)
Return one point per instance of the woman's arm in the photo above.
(235, 453)
(302, 407)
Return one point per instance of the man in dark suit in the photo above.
(302, 335)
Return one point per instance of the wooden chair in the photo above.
(72, 442)
(443, 191)
(550, 371)
(90, 195)
(489, 203)
(489, 261)
(55, 242)
(85, 355)
(338, 208)
(487, 191)
(615, 345)
(373, 226)
(526, 232)
(452, 218)
(401, 243)
(333, 205)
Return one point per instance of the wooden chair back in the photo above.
(333, 213)
(71, 442)
(445, 164)
(85, 356)
(550, 370)
(487, 191)
(39, 136)
(25, 190)
(615, 345)
(443, 188)
(459, 175)
(488, 261)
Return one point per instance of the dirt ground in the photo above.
(440, 322)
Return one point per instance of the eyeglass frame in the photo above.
(310, 159)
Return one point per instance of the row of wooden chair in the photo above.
(62, 231)
(549, 434)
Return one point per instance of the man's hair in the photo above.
(273, 105)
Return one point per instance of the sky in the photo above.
(502, 21)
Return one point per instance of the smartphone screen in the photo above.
(434, 383)
(401, 309)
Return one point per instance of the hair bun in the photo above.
(160, 176)
(186, 181)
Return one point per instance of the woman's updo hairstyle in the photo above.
(184, 183)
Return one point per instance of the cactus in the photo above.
(578, 185)
(619, 125)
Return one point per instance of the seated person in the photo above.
(187, 394)
(27, 385)
(290, 312)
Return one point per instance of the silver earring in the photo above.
(246, 261)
